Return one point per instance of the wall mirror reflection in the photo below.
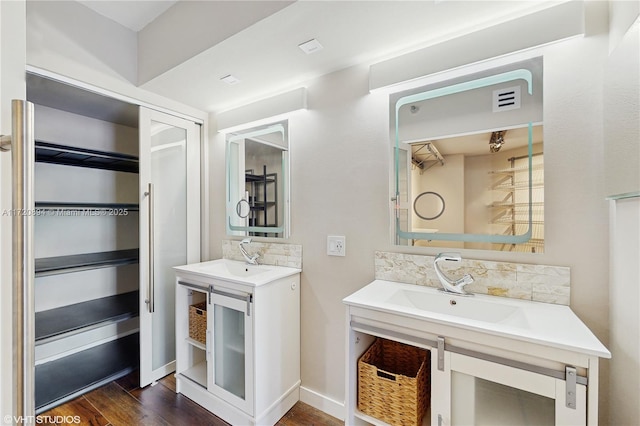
(257, 181)
(468, 161)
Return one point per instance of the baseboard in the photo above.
(322, 403)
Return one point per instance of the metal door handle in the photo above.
(150, 301)
(22, 147)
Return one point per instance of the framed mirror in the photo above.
(475, 145)
(257, 163)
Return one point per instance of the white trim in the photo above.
(323, 403)
(105, 92)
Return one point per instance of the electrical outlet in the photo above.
(336, 245)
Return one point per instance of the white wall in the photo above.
(340, 186)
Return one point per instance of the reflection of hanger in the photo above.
(431, 153)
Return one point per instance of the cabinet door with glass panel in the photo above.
(230, 334)
(481, 392)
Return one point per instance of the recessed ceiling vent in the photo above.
(506, 99)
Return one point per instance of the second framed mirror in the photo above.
(258, 181)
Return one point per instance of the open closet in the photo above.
(116, 207)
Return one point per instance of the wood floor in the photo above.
(123, 403)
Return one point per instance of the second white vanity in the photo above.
(493, 360)
(247, 369)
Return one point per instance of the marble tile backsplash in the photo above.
(540, 283)
(270, 253)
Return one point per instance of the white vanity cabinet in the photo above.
(248, 369)
(498, 362)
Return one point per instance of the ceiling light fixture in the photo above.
(310, 46)
(230, 80)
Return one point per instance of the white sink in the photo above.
(543, 323)
(463, 307)
(238, 272)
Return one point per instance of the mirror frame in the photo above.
(276, 127)
(518, 74)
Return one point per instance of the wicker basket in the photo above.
(198, 322)
(394, 383)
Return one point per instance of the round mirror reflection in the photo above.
(243, 208)
(428, 205)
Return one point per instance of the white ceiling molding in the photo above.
(550, 25)
(268, 109)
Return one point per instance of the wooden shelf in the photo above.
(61, 205)
(82, 262)
(47, 152)
(59, 322)
(63, 379)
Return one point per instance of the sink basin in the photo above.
(238, 272)
(236, 269)
(463, 307)
(543, 323)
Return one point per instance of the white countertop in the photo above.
(541, 323)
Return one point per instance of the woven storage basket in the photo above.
(198, 322)
(394, 382)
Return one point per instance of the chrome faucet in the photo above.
(251, 260)
(449, 285)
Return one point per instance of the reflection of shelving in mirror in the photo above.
(512, 202)
(262, 192)
(425, 155)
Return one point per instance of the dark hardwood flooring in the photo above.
(123, 403)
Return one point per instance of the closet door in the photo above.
(169, 231)
(16, 397)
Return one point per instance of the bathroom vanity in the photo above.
(493, 360)
(246, 367)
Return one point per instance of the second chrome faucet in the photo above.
(450, 285)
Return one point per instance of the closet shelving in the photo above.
(67, 206)
(60, 322)
(47, 152)
(263, 208)
(69, 376)
(81, 262)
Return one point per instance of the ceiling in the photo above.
(265, 56)
(134, 15)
